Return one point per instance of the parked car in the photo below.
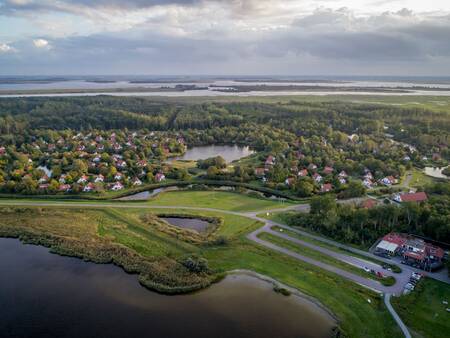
(366, 269)
(409, 286)
(416, 275)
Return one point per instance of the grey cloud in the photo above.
(14, 7)
(398, 41)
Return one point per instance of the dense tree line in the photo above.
(363, 226)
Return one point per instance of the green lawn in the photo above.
(423, 310)
(216, 200)
(419, 179)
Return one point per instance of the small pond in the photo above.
(229, 153)
(188, 223)
(435, 172)
(46, 295)
(146, 195)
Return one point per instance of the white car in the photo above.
(416, 275)
(366, 269)
(409, 286)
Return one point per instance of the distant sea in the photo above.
(218, 85)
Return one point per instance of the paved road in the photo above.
(374, 285)
(403, 327)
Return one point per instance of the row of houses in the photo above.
(92, 182)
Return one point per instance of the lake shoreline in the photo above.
(293, 292)
(224, 299)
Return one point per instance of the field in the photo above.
(217, 200)
(423, 310)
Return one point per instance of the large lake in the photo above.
(229, 153)
(46, 295)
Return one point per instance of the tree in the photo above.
(212, 172)
(304, 188)
(354, 189)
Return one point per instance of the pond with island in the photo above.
(46, 295)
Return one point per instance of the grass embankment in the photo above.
(348, 301)
(216, 200)
(323, 258)
(423, 310)
(395, 268)
(107, 237)
(119, 236)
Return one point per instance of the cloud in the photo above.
(230, 36)
(41, 43)
(5, 48)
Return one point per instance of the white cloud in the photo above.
(41, 43)
(5, 48)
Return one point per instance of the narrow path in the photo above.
(403, 327)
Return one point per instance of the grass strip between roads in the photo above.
(323, 258)
(395, 268)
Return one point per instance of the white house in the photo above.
(117, 186)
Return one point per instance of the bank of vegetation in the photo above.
(362, 226)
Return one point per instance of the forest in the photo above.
(302, 148)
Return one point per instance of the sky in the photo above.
(225, 37)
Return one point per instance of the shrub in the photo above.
(195, 264)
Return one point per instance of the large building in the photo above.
(413, 250)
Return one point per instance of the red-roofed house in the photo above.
(289, 181)
(343, 174)
(317, 177)
(369, 204)
(89, 187)
(65, 187)
(327, 187)
(303, 173)
(117, 186)
(411, 197)
(160, 177)
(260, 172)
(270, 160)
(392, 243)
(328, 170)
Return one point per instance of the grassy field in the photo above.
(419, 179)
(423, 309)
(436, 103)
(217, 200)
(323, 258)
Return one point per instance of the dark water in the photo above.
(45, 295)
(229, 153)
(188, 223)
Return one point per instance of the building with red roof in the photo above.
(411, 197)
